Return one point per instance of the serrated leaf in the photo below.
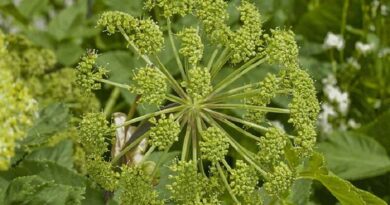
(35, 190)
(354, 156)
(61, 154)
(53, 119)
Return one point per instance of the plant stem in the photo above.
(143, 117)
(175, 99)
(147, 154)
(159, 161)
(224, 162)
(239, 129)
(248, 107)
(223, 58)
(226, 183)
(111, 101)
(119, 85)
(186, 143)
(133, 107)
(134, 47)
(175, 53)
(211, 61)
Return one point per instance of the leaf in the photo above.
(61, 25)
(354, 156)
(61, 154)
(30, 7)
(300, 192)
(379, 129)
(53, 119)
(68, 53)
(34, 190)
(343, 190)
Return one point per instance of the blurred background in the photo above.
(344, 44)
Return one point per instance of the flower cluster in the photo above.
(151, 84)
(17, 111)
(282, 48)
(144, 34)
(244, 179)
(279, 180)
(171, 7)
(272, 146)
(214, 145)
(164, 132)
(192, 46)
(199, 83)
(88, 73)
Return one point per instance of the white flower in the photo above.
(353, 124)
(364, 48)
(384, 10)
(384, 52)
(329, 80)
(277, 124)
(335, 95)
(327, 112)
(333, 41)
(353, 63)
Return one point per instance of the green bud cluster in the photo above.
(145, 33)
(246, 40)
(304, 108)
(136, 187)
(17, 111)
(191, 46)
(26, 59)
(93, 130)
(213, 15)
(102, 173)
(272, 146)
(171, 7)
(199, 83)
(151, 84)
(88, 73)
(188, 184)
(214, 145)
(280, 180)
(267, 90)
(164, 132)
(282, 48)
(243, 179)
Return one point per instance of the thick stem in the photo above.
(111, 101)
(226, 183)
(248, 107)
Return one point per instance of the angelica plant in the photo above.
(196, 115)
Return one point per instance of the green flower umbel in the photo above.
(214, 145)
(164, 132)
(88, 73)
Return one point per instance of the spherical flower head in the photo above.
(171, 7)
(151, 84)
(102, 173)
(213, 15)
(246, 40)
(272, 146)
(214, 145)
(145, 34)
(164, 132)
(191, 45)
(136, 187)
(280, 180)
(88, 73)
(267, 90)
(187, 184)
(93, 130)
(243, 179)
(282, 48)
(199, 83)
(17, 112)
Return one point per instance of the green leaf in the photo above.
(61, 25)
(379, 129)
(34, 190)
(30, 7)
(343, 190)
(53, 119)
(68, 53)
(300, 192)
(354, 156)
(61, 154)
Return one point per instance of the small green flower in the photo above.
(164, 132)
(145, 34)
(151, 84)
(272, 146)
(136, 187)
(282, 48)
(88, 73)
(171, 7)
(191, 46)
(280, 180)
(102, 173)
(199, 83)
(246, 40)
(243, 179)
(214, 145)
(187, 185)
(93, 130)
